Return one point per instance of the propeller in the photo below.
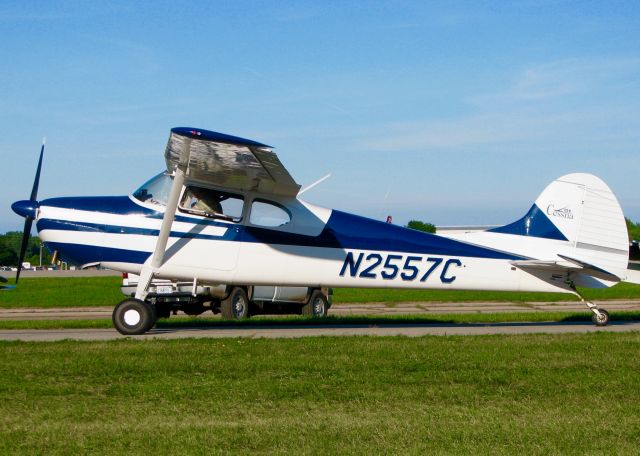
(27, 209)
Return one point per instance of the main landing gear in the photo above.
(600, 317)
(133, 316)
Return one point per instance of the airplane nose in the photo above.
(25, 208)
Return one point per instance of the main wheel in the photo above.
(602, 319)
(236, 306)
(317, 305)
(133, 316)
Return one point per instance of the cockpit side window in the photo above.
(156, 190)
(212, 203)
(268, 214)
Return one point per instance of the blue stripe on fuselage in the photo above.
(342, 231)
(535, 223)
(80, 254)
(194, 233)
(356, 232)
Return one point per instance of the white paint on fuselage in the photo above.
(544, 249)
(221, 261)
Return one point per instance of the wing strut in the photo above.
(157, 258)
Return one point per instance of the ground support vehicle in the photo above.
(167, 298)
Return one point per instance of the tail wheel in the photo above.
(317, 305)
(236, 306)
(133, 316)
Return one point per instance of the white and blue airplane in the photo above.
(226, 214)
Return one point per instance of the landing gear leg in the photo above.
(599, 317)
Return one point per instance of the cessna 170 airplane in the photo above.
(226, 214)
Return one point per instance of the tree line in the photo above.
(10, 250)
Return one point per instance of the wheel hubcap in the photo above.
(238, 306)
(132, 317)
(318, 307)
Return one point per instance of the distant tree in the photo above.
(8, 258)
(634, 230)
(10, 249)
(421, 226)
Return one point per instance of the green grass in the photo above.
(528, 394)
(50, 292)
(296, 320)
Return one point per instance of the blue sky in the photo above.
(448, 112)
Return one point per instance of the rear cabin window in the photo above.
(268, 214)
(212, 203)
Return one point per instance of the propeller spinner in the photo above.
(27, 209)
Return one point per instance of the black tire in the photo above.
(236, 306)
(603, 320)
(317, 305)
(133, 316)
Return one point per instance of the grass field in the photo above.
(105, 291)
(63, 292)
(534, 394)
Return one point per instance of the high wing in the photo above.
(206, 156)
(229, 161)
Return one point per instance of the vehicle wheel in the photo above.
(236, 306)
(317, 305)
(133, 316)
(603, 320)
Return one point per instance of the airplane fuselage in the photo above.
(318, 247)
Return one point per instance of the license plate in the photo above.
(164, 289)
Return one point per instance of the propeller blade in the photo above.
(36, 181)
(23, 246)
(28, 219)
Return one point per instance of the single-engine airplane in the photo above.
(226, 214)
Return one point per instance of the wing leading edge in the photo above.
(229, 161)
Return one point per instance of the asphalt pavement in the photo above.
(288, 332)
(310, 330)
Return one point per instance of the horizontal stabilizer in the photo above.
(632, 276)
(570, 265)
(541, 264)
(592, 270)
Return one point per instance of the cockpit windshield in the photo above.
(156, 190)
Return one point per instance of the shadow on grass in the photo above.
(516, 319)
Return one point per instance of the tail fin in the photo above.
(583, 211)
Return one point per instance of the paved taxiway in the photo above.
(274, 332)
(372, 308)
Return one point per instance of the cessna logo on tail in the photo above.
(563, 212)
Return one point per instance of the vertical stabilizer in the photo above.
(582, 210)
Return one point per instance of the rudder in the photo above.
(582, 210)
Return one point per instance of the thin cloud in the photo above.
(561, 78)
(531, 112)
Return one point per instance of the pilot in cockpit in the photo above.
(201, 199)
